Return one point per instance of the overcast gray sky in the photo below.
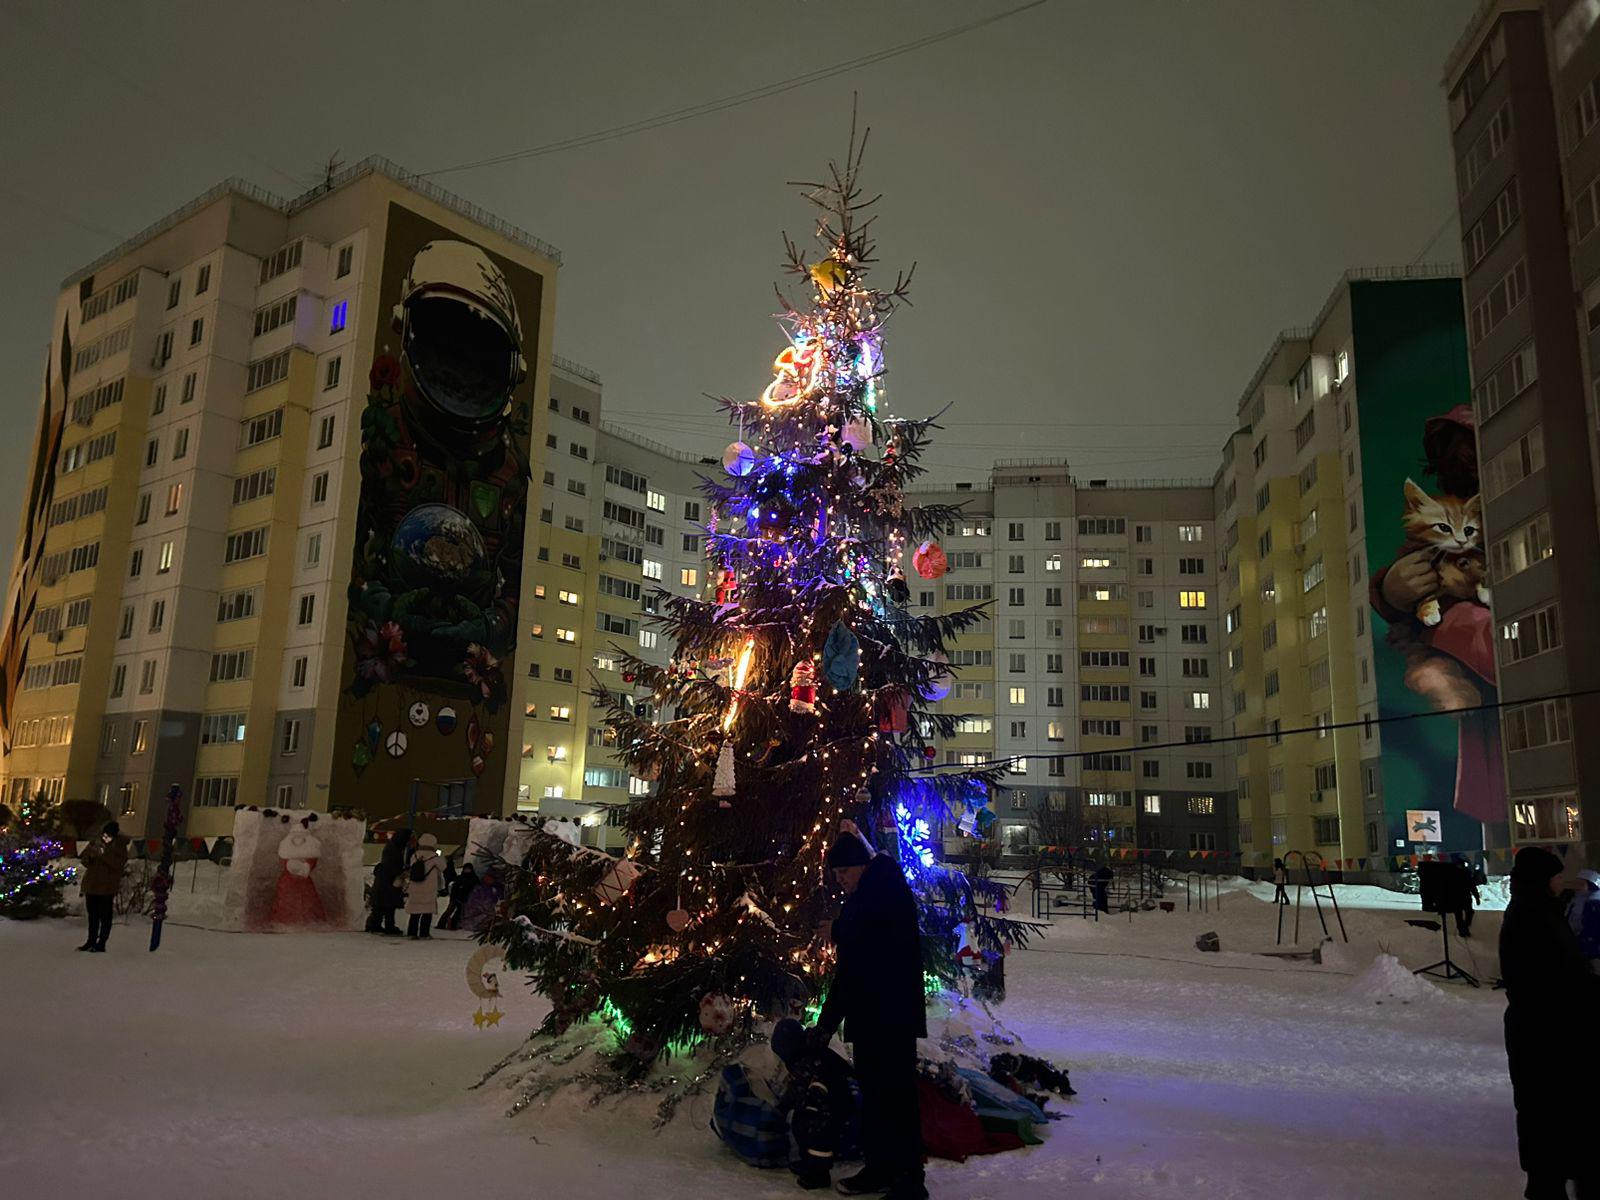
(1113, 206)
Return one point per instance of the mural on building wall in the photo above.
(1433, 634)
(437, 567)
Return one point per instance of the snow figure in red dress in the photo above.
(296, 902)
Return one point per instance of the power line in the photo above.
(661, 120)
(1274, 734)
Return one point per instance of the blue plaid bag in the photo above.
(753, 1129)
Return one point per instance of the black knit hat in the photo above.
(113, 828)
(1533, 869)
(848, 851)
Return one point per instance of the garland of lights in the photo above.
(34, 862)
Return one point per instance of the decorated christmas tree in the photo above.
(30, 880)
(799, 698)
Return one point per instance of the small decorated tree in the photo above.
(30, 881)
(798, 698)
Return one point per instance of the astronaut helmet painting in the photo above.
(444, 484)
(460, 339)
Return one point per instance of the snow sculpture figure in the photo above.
(296, 902)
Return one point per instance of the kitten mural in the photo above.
(1450, 531)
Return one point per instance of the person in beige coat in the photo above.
(422, 887)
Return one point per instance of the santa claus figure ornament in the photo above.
(803, 687)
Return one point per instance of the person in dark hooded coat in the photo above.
(386, 897)
(459, 886)
(1552, 996)
(877, 994)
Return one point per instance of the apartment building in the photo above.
(214, 587)
(1524, 99)
(1099, 675)
(626, 519)
(1357, 682)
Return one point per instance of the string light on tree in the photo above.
(801, 694)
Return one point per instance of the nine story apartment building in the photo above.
(178, 607)
(1098, 677)
(1524, 101)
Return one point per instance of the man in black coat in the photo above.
(877, 994)
(386, 895)
(1552, 996)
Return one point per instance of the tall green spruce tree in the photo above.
(798, 698)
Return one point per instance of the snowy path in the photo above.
(336, 1065)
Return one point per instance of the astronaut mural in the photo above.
(437, 564)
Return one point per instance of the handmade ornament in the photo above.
(361, 757)
(803, 687)
(716, 1013)
(395, 744)
(678, 920)
(939, 679)
(728, 587)
(894, 711)
(621, 876)
(968, 824)
(418, 714)
(483, 979)
(930, 561)
(724, 783)
(899, 590)
(374, 734)
(445, 720)
(828, 274)
(841, 657)
(738, 459)
(857, 435)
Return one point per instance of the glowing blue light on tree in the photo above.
(914, 838)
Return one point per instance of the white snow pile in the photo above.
(1388, 980)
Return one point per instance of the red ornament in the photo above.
(728, 588)
(930, 561)
(894, 709)
(929, 753)
(803, 687)
(627, 677)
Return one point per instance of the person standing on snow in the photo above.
(1280, 882)
(877, 994)
(104, 860)
(1465, 913)
(818, 1097)
(1583, 914)
(1100, 887)
(1551, 1040)
(459, 887)
(422, 887)
(386, 877)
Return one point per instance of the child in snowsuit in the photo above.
(818, 1098)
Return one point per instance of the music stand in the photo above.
(1451, 971)
(1446, 890)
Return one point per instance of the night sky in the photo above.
(1113, 207)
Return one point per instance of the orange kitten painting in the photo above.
(1452, 529)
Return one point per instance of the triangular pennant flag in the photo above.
(211, 844)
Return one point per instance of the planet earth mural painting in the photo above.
(440, 527)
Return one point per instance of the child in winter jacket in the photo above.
(818, 1098)
(459, 886)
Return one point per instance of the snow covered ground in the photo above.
(337, 1065)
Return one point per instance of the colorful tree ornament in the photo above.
(716, 1013)
(930, 561)
(725, 782)
(938, 685)
(728, 587)
(418, 714)
(395, 744)
(828, 273)
(618, 879)
(803, 687)
(797, 373)
(738, 460)
(445, 720)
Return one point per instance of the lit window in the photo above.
(556, 753)
(538, 591)
(656, 501)
(1019, 695)
(537, 630)
(1200, 700)
(568, 597)
(341, 311)
(566, 635)
(165, 563)
(690, 576)
(647, 639)
(1191, 599)
(560, 712)
(652, 569)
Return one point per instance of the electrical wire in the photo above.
(1275, 735)
(706, 108)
